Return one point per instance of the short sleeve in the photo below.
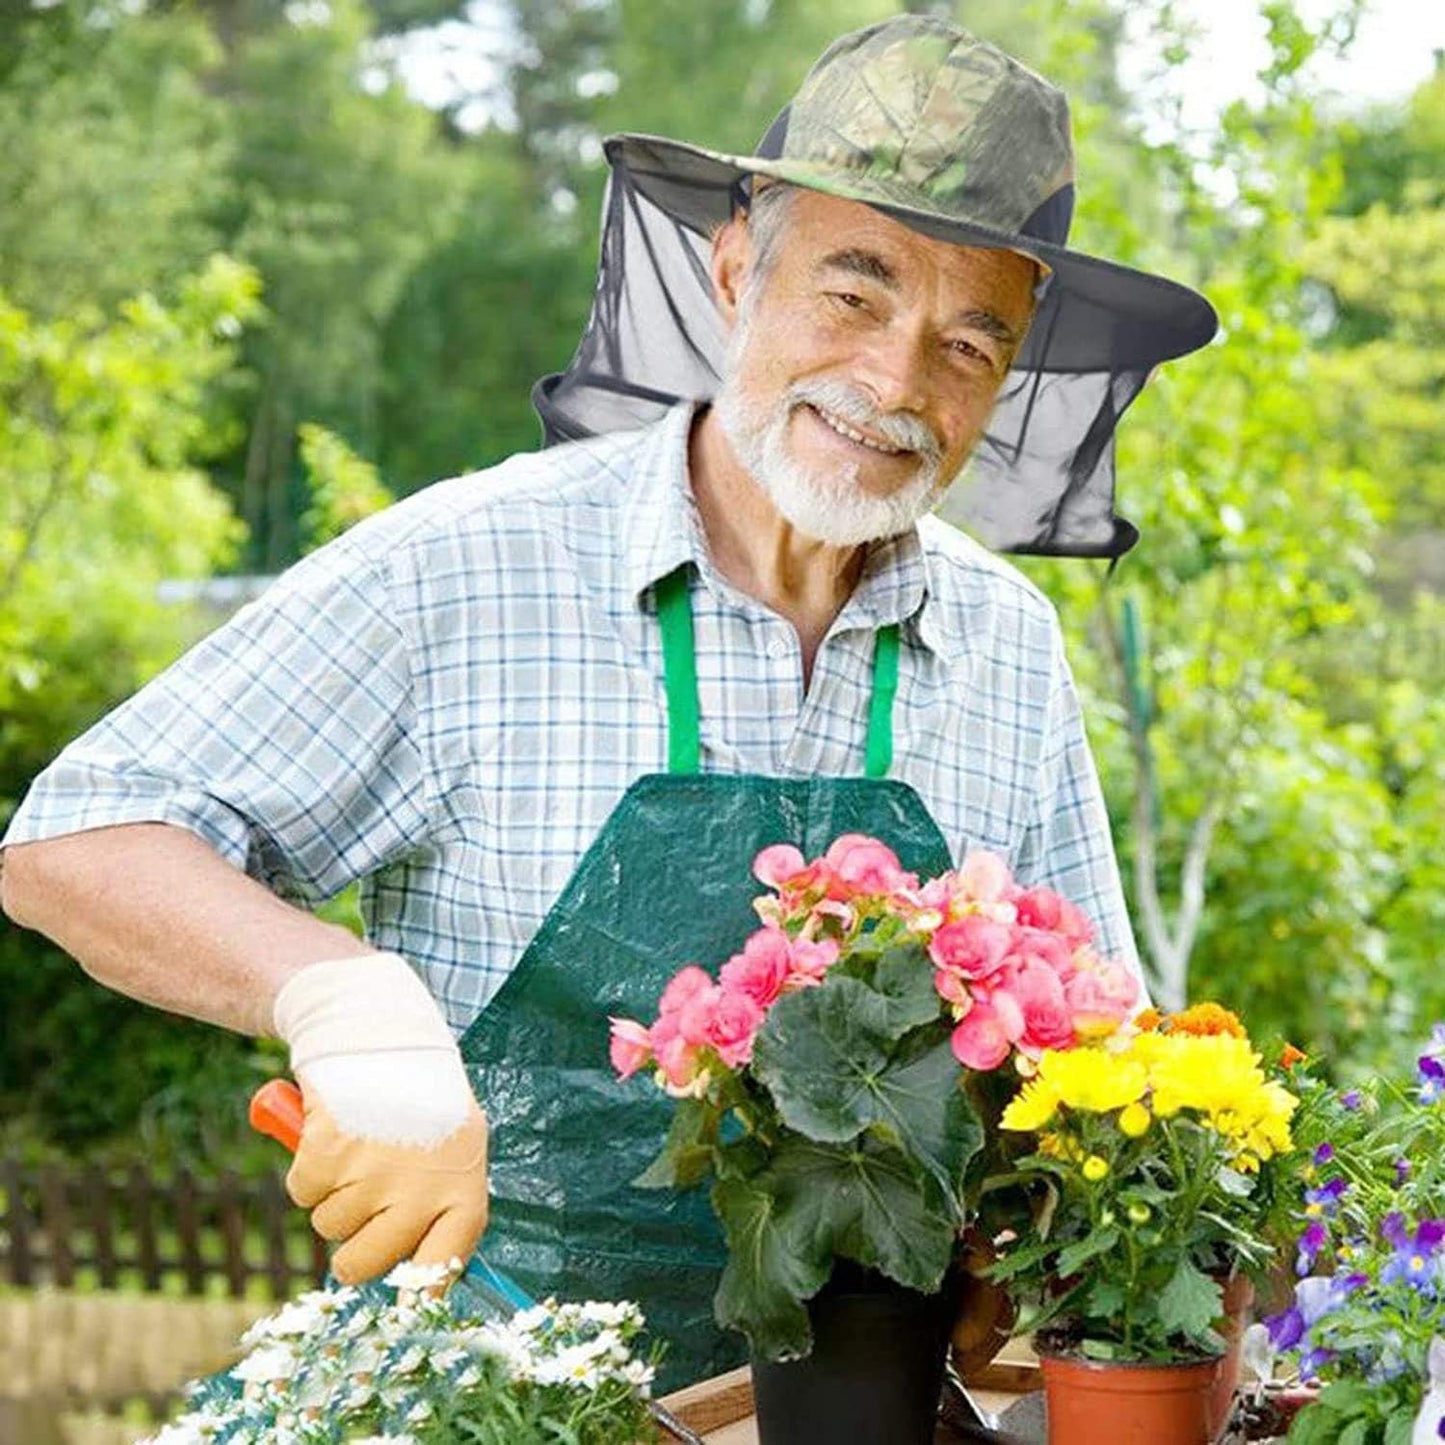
(286, 739)
(1068, 845)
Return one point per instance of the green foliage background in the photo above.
(250, 288)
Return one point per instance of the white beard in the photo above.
(831, 506)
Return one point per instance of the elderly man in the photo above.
(549, 713)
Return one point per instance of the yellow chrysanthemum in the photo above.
(1092, 1080)
(1031, 1108)
(1218, 1078)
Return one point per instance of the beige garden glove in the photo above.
(393, 1151)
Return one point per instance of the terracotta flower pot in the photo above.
(1090, 1402)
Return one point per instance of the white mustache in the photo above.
(851, 404)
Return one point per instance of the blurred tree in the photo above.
(113, 155)
(341, 187)
(103, 420)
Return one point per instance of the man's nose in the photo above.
(895, 367)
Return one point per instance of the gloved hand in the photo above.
(393, 1151)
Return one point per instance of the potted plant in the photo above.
(399, 1364)
(1153, 1162)
(829, 1084)
(1369, 1305)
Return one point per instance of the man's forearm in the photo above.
(152, 911)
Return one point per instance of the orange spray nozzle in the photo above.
(276, 1110)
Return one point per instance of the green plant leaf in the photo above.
(1190, 1302)
(864, 1201)
(775, 1262)
(875, 1206)
(688, 1153)
(1357, 1432)
(1400, 1427)
(1075, 1256)
(1232, 1182)
(825, 1056)
(904, 978)
(1105, 1297)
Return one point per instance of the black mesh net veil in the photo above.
(1041, 479)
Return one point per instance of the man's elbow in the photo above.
(23, 887)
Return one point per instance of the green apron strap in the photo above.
(880, 710)
(674, 613)
(684, 748)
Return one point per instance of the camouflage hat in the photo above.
(945, 133)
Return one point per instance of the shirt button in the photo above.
(778, 647)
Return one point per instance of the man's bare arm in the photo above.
(154, 912)
(393, 1155)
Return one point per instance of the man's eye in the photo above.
(849, 299)
(972, 355)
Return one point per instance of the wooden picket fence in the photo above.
(96, 1227)
(117, 1286)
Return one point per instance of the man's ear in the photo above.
(732, 259)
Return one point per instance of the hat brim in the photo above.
(1102, 316)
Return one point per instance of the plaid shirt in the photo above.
(447, 702)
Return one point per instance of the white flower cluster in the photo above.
(370, 1367)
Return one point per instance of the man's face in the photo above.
(864, 364)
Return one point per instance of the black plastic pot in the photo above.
(875, 1372)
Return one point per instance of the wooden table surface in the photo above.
(721, 1409)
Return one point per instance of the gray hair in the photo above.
(767, 220)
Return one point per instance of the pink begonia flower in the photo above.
(685, 984)
(630, 1048)
(778, 865)
(762, 968)
(984, 878)
(678, 1061)
(1101, 995)
(1043, 908)
(974, 947)
(1039, 993)
(981, 1041)
(695, 1017)
(1036, 945)
(735, 1022)
(864, 865)
(952, 988)
(810, 962)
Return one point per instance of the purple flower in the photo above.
(1323, 1198)
(1311, 1361)
(1432, 1078)
(1429, 1233)
(1313, 1239)
(1393, 1231)
(1402, 1172)
(1351, 1099)
(1416, 1259)
(1437, 1040)
(1324, 1153)
(1413, 1267)
(1286, 1329)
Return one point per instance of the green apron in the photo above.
(668, 881)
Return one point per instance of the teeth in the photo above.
(843, 429)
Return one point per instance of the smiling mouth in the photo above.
(852, 434)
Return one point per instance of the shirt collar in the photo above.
(662, 531)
